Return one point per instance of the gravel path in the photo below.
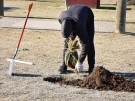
(53, 24)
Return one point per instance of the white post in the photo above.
(66, 4)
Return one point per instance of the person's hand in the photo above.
(79, 67)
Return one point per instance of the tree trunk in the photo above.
(120, 16)
(1, 7)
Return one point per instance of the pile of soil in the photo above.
(102, 79)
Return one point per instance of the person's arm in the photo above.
(84, 51)
(85, 45)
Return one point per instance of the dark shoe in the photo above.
(90, 70)
(62, 69)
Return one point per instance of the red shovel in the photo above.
(12, 61)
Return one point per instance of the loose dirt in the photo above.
(100, 79)
(103, 79)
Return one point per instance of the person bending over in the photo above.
(78, 20)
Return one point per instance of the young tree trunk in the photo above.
(120, 16)
(1, 7)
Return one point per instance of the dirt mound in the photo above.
(102, 79)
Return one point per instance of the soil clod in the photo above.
(53, 79)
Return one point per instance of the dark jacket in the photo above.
(78, 20)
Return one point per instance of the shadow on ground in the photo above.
(42, 1)
(130, 22)
(130, 33)
(125, 75)
(26, 75)
(10, 9)
(53, 78)
(111, 8)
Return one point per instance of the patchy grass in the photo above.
(52, 9)
(40, 9)
(113, 51)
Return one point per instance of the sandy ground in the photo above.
(116, 52)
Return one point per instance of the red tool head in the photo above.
(30, 6)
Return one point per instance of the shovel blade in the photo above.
(11, 65)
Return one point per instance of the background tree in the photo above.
(1, 7)
(120, 16)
